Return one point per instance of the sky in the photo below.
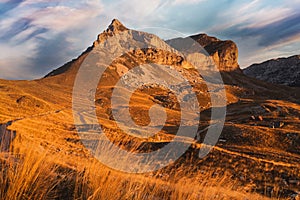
(37, 36)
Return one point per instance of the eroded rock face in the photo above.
(224, 53)
(285, 71)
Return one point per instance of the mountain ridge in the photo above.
(284, 71)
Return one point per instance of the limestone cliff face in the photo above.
(285, 71)
(224, 53)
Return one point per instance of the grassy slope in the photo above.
(253, 158)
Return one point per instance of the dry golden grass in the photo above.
(29, 177)
(35, 176)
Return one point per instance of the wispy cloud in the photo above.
(35, 35)
(262, 29)
(178, 2)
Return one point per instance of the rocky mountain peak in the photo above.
(114, 28)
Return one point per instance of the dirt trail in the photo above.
(277, 163)
(239, 154)
(36, 115)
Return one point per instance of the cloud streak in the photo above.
(6, 6)
(35, 35)
(269, 34)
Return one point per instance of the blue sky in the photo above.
(37, 36)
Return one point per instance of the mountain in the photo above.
(285, 71)
(256, 157)
(223, 53)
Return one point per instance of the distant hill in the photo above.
(284, 71)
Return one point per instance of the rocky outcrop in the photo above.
(285, 71)
(224, 53)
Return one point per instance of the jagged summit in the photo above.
(114, 28)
